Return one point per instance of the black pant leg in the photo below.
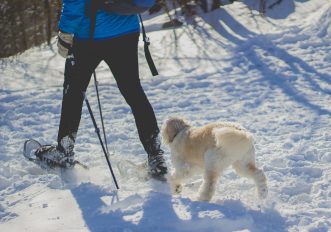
(77, 76)
(122, 58)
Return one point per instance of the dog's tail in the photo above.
(233, 140)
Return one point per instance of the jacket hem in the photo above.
(109, 37)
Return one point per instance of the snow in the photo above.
(270, 74)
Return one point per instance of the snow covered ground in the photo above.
(273, 75)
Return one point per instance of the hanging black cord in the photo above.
(96, 83)
(146, 49)
(97, 130)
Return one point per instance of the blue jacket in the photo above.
(74, 20)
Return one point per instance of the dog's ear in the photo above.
(171, 128)
(169, 131)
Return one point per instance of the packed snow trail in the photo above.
(272, 75)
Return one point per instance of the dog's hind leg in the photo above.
(251, 171)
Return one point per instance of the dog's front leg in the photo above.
(175, 181)
(213, 169)
(177, 177)
(181, 172)
(208, 187)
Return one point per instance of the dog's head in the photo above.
(171, 128)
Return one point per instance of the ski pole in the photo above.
(96, 83)
(97, 130)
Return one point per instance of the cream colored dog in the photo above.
(212, 148)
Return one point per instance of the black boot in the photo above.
(157, 166)
(156, 162)
(61, 155)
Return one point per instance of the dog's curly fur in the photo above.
(213, 148)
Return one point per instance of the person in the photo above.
(115, 41)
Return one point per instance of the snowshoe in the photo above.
(129, 169)
(48, 156)
(143, 171)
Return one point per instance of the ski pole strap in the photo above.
(146, 49)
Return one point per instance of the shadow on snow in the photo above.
(248, 44)
(158, 213)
